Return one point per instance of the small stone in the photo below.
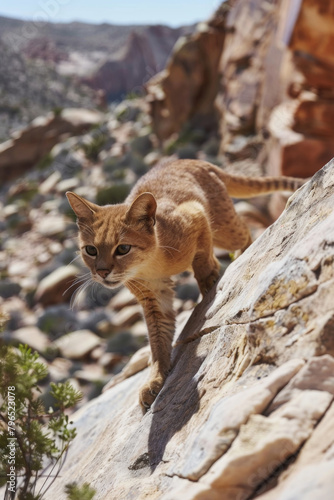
(138, 362)
(77, 345)
(57, 286)
(123, 299)
(97, 353)
(109, 360)
(67, 185)
(49, 184)
(18, 268)
(90, 374)
(51, 225)
(9, 288)
(127, 316)
(57, 320)
(33, 337)
(59, 369)
(139, 329)
(152, 158)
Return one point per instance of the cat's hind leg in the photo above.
(205, 265)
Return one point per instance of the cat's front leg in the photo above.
(156, 298)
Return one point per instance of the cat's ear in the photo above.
(142, 210)
(82, 208)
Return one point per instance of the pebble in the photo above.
(33, 337)
(77, 345)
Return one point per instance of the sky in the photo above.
(171, 12)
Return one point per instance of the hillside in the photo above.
(50, 65)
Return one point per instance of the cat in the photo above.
(169, 223)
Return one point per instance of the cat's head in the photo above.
(117, 242)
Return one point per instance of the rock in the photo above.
(57, 286)
(294, 150)
(77, 345)
(108, 360)
(124, 343)
(249, 396)
(187, 88)
(9, 288)
(33, 143)
(90, 374)
(59, 369)
(50, 183)
(57, 320)
(143, 52)
(314, 27)
(138, 362)
(68, 185)
(33, 337)
(122, 299)
(52, 225)
(302, 127)
(127, 317)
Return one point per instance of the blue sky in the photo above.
(171, 12)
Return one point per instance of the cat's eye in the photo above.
(90, 250)
(123, 249)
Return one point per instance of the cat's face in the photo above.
(117, 242)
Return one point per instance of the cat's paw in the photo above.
(207, 283)
(149, 392)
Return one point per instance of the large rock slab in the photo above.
(247, 408)
(187, 88)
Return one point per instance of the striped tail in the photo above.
(247, 187)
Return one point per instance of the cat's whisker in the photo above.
(79, 291)
(75, 258)
(76, 281)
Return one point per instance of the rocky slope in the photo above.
(247, 410)
(49, 65)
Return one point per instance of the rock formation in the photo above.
(187, 88)
(302, 127)
(30, 145)
(265, 69)
(247, 410)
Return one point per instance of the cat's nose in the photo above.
(103, 272)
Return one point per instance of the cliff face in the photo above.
(187, 88)
(268, 82)
(247, 410)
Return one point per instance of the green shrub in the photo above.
(75, 492)
(33, 440)
(112, 194)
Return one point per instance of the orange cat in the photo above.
(169, 223)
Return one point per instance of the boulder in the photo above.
(247, 409)
(187, 88)
(30, 145)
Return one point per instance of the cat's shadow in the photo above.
(179, 399)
